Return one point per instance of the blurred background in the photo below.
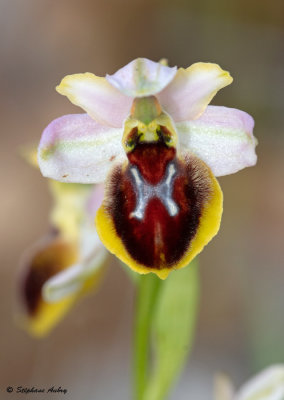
(240, 323)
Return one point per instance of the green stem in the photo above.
(173, 327)
(148, 286)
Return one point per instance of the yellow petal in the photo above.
(192, 89)
(102, 101)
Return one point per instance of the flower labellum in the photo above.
(150, 135)
(50, 256)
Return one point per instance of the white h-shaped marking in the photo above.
(145, 191)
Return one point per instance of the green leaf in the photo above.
(173, 326)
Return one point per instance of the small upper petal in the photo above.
(102, 101)
(75, 148)
(142, 77)
(192, 89)
(222, 137)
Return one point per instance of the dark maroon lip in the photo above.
(152, 159)
(155, 235)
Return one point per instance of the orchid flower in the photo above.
(151, 137)
(267, 385)
(66, 263)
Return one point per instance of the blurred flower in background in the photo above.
(65, 264)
